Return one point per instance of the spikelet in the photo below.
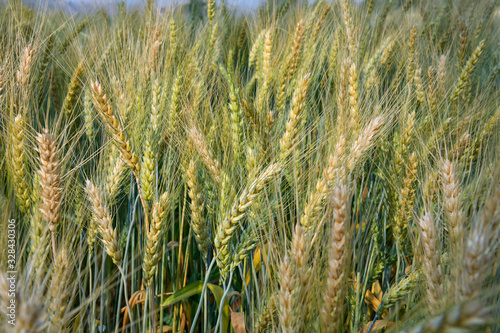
(175, 105)
(152, 250)
(433, 273)
(287, 141)
(88, 116)
(364, 142)
(294, 55)
(468, 317)
(332, 58)
(400, 290)
(30, 315)
(405, 201)
(206, 155)
(147, 175)
(454, 213)
(60, 291)
(155, 105)
(114, 128)
(50, 183)
(173, 39)
(21, 172)
(198, 222)
(71, 37)
(464, 78)
(228, 227)
(236, 119)
(264, 73)
(411, 56)
(114, 177)
(44, 62)
(266, 316)
(441, 73)
(285, 308)
(73, 90)
(104, 223)
(349, 26)
(23, 74)
(332, 299)
(481, 246)
(252, 56)
(248, 241)
(353, 98)
(211, 10)
(323, 185)
(419, 87)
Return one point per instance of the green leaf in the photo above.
(191, 289)
(218, 293)
(195, 288)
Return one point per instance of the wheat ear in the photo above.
(285, 308)
(228, 227)
(104, 223)
(468, 317)
(152, 250)
(292, 127)
(198, 223)
(114, 127)
(50, 183)
(481, 246)
(21, 171)
(332, 299)
(433, 272)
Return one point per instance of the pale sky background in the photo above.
(242, 5)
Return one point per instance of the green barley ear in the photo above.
(211, 10)
(21, 172)
(147, 174)
(399, 291)
(465, 75)
(236, 119)
(264, 73)
(152, 249)
(198, 222)
(71, 37)
(248, 241)
(411, 55)
(88, 116)
(73, 89)
(44, 62)
(228, 227)
(287, 141)
(353, 97)
(252, 56)
(175, 104)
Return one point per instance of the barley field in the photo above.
(325, 166)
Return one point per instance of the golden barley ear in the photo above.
(114, 127)
(50, 183)
(103, 219)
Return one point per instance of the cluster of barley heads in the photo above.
(325, 166)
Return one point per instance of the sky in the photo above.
(244, 5)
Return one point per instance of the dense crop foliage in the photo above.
(310, 167)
